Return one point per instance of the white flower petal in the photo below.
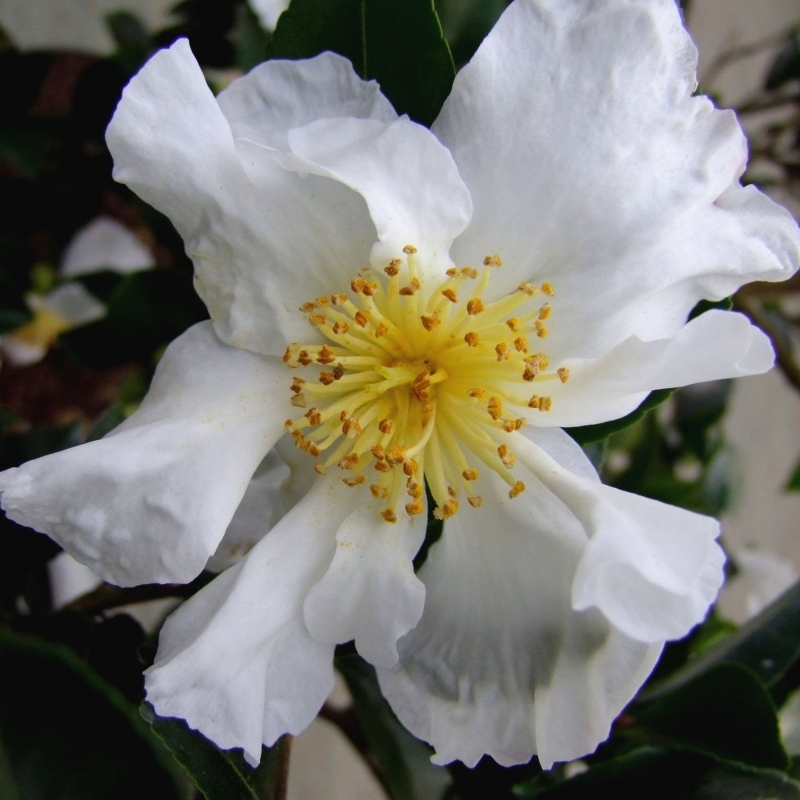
(244, 219)
(276, 96)
(280, 482)
(268, 11)
(387, 164)
(717, 344)
(651, 568)
(151, 501)
(21, 352)
(69, 579)
(509, 658)
(236, 661)
(370, 592)
(626, 196)
(104, 244)
(73, 303)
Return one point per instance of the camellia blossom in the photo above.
(391, 307)
(102, 244)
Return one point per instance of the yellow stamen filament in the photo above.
(411, 381)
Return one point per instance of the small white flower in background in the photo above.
(412, 306)
(102, 244)
(268, 11)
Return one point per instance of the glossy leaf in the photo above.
(403, 761)
(794, 482)
(66, 734)
(222, 774)
(725, 712)
(768, 644)
(655, 774)
(397, 42)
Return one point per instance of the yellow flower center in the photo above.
(420, 383)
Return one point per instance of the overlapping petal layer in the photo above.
(151, 501)
(583, 620)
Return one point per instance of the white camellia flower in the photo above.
(102, 244)
(413, 306)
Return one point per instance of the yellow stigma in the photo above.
(417, 380)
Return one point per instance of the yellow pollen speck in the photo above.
(410, 467)
(340, 327)
(378, 452)
(506, 456)
(519, 424)
(478, 391)
(389, 515)
(530, 373)
(411, 289)
(385, 426)
(317, 319)
(541, 329)
(415, 490)
(307, 308)
(297, 385)
(319, 468)
(502, 351)
(447, 510)
(509, 425)
(396, 455)
(382, 466)
(452, 272)
(545, 403)
(322, 302)
(517, 489)
(492, 261)
(475, 306)
(472, 339)
(476, 501)
(326, 378)
(527, 288)
(409, 249)
(548, 289)
(514, 324)
(378, 491)
(521, 344)
(304, 358)
(563, 374)
(298, 401)
(451, 295)
(545, 311)
(351, 428)
(391, 269)
(362, 319)
(355, 481)
(431, 321)
(326, 356)
(381, 330)
(349, 461)
(291, 353)
(313, 416)
(412, 509)
(469, 272)
(470, 474)
(494, 407)
(338, 299)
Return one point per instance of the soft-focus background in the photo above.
(93, 285)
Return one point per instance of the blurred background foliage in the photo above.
(72, 723)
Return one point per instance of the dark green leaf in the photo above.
(585, 434)
(403, 761)
(768, 644)
(725, 712)
(250, 40)
(397, 42)
(794, 482)
(222, 774)
(786, 66)
(66, 734)
(146, 311)
(652, 774)
(25, 146)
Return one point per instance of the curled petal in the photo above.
(236, 661)
(370, 592)
(717, 344)
(151, 501)
(518, 652)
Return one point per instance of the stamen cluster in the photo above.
(419, 382)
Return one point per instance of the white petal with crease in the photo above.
(151, 501)
(236, 661)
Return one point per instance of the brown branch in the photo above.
(106, 597)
